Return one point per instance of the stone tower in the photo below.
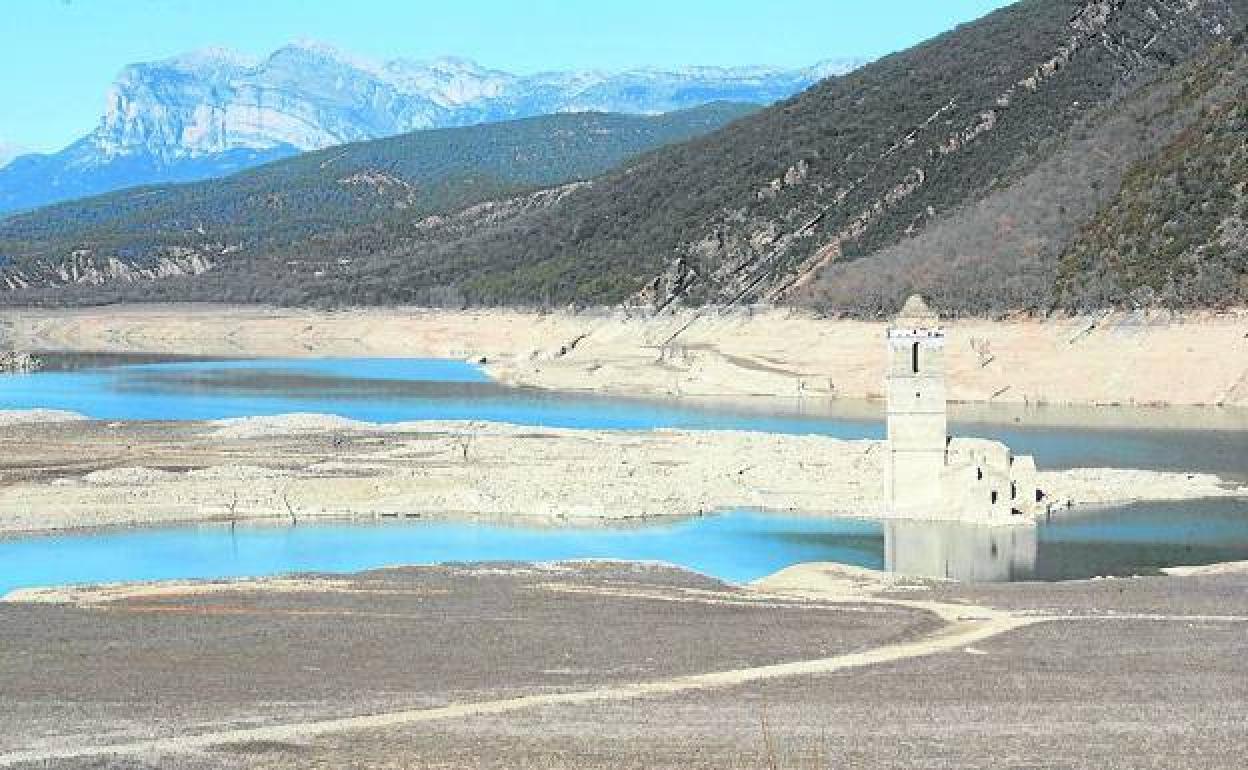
(917, 419)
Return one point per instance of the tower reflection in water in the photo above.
(960, 551)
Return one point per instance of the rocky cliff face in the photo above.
(86, 268)
(309, 97)
(214, 112)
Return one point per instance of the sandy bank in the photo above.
(88, 474)
(1139, 358)
(35, 416)
(824, 580)
(1209, 570)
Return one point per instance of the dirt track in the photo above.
(588, 666)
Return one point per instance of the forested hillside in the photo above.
(1014, 248)
(1177, 232)
(969, 167)
(148, 231)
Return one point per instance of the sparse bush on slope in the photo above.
(1001, 254)
(1177, 233)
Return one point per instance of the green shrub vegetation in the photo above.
(382, 185)
(1177, 232)
(1012, 249)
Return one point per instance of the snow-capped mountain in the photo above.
(214, 111)
(8, 152)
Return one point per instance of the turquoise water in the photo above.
(375, 390)
(736, 547)
(395, 390)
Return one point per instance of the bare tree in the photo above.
(290, 508)
(983, 349)
(463, 441)
(232, 510)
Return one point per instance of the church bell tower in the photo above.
(917, 417)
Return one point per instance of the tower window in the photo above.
(914, 358)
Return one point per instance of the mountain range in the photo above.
(214, 112)
(1053, 156)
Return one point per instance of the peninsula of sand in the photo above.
(60, 471)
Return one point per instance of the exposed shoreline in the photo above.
(139, 474)
(1131, 359)
(72, 474)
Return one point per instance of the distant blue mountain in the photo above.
(79, 171)
(211, 113)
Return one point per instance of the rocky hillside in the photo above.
(214, 112)
(1027, 243)
(157, 232)
(971, 167)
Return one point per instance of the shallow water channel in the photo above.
(114, 387)
(737, 547)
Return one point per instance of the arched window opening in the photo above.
(914, 358)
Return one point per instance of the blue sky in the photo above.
(58, 56)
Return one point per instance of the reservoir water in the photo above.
(396, 390)
(737, 547)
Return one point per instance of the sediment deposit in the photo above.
(1144, 358)
(76, 473)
